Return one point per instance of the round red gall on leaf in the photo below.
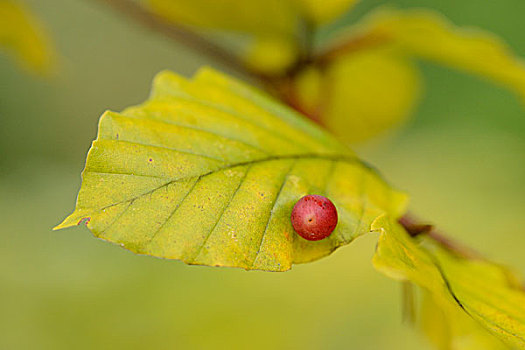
(314, 217)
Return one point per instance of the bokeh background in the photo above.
(461, 157)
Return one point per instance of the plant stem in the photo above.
(179, 34)
(357, 43)
(416, 228)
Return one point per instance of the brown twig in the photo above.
(357, 43)
(179, 34)
(416, 228)
(279, 85)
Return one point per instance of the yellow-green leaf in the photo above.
(361, 94)
(367, 82)
(484, 291)
(449, 327)
(23, 36)
(207, 171)
(429, 35)
(320, 12)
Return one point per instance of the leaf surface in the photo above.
(207, 171)
(269, 29)
(486, 292)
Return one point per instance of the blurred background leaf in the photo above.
(363, 73)
(24, 37)
(460, 158)
(460, 282)
(368, 72)
(246, 20)
(361, 94)
(450, 328)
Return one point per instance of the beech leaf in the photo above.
(207, 171)
(373, 61)
(486, 292)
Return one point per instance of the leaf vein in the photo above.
(191, 127)
(221, 214)
(116, 219)
(168, 148)
(126, 174)
(173, 212)
(285, 179)
(470, 310)
(364, 203)
(231, 112)
(251, 162)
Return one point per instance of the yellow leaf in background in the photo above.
(485, 292)
(22, 35)
(429, 35)
(361, 94)
(264, 18)
(207, 171)
(368, 84)
(272, 55)
(320, 12)
(276, 27)
(368, 92)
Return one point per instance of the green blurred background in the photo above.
(462, 159)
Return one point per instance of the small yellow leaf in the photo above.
(369, 92)
(448, 327)
(320, 12)
(429, 35)
(207, 171)
(307, 91)
(24, 37)
(272, 55)
(483, 291)
(261, 18)
(361, 94)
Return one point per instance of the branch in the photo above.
(358, 43)
(415, 228)
(179, 34)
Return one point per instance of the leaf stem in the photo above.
(416, 228)
(357, 43)
(179, 34)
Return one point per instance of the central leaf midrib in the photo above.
(332, 157)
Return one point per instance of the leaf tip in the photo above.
(166, 82)
(75, 219)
